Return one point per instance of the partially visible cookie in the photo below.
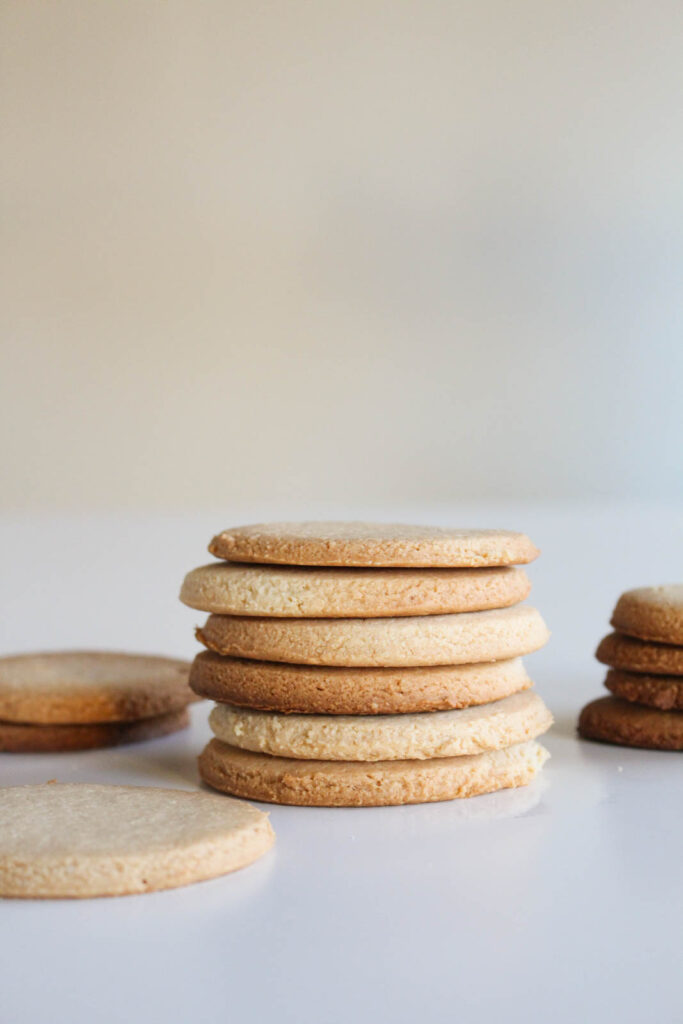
(384, 737)
(371, 544)
(665, 692)
(231, 588)
(626, 652)
(87, 840)
(69, 687)
(612, 720)
(283, 780)
(329, 690)
(651, 613)
(19, 738)
(413, 640)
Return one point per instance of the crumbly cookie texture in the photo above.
(231, 588)
(665, 692)
(384, 737)
(89, 840)
(651, 613)
(372, 544)
(361, 784)
(633, 655)
(612, 720)
(461, 639)
(78, 687)
(319, 689)
(19, 738)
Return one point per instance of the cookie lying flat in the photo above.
(626, 652)
(665, 692)
(319, 689)
(357, 784)
(415, 640)
(371, 544)
(85, 840)
(619, 721)
(230, 588)
(75, 687)
(19, 738)
(384, 737)
(651, 613)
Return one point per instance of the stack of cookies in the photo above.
(645, 659)
(359, 664)
(80, 700)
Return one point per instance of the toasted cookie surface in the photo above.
(514, 719)
(232, 588)
(651, 613)
(78, 687)
(633, 655)
(20, 738)
(612, 720)
(89, 840)
(319, 689)
(665, 692)
(362, 784)
(371, 544)
(412, 640)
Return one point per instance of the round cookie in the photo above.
(612, 720)
(283, 780)
(413, 640)
(665, 692)
(19, 738)
(632, 655)
(474, 730)
(651, 613)
(231, 588)
(324, 690)
(78, 687)
(87, 840)
(371, 544)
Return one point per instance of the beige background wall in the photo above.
(361, 250)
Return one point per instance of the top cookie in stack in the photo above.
(367, 622)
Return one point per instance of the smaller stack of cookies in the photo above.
(645, 659)
(359, 664)
(82, 700)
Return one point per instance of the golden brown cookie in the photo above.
(413, 640)
(87, 840)
(632, 655)
(283, 780)
(78, 687)
(612, 720)
(665, 692)
(231, 588)
(371, 544)
(651, 613)
(18, 738)
(325, 690)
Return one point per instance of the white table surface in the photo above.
(561, 902)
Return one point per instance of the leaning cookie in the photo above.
(664, 692)
(308, 783)
(651, 613)
(633, 655)
(19, 738)
(612, 720)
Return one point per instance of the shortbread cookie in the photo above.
(283, 780)
(665, 692)
(372, 544)
(651, 613)
(86, 840)
(18, 738)
(77, 687)
(230, 588)
(628, 653)
(384, 737)
(612, 720)
(414, 640)
(324, 690)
